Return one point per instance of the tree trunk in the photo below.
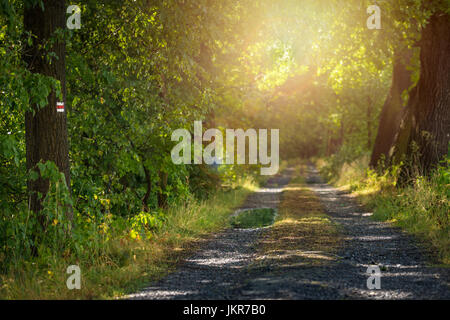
(46, 130)
(392, 108)
(425, 132)
(328, 142)
(149, 189)
(341, 134)
(162, 196)
(369, 122)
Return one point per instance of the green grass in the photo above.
(254, 218)
(421, 208)
(123, 264)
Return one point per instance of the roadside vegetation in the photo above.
(421, 206)
(118, 255)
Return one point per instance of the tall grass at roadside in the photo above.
(422, 207)
(121, 263)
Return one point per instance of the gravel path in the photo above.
(225, 268)
(220, 266)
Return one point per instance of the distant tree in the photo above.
(393, 107)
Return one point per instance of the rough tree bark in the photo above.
(425, 129)
(392, 109)
(161, 195)
(148, 181)
(46, 130)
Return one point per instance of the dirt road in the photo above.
(231, 265)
